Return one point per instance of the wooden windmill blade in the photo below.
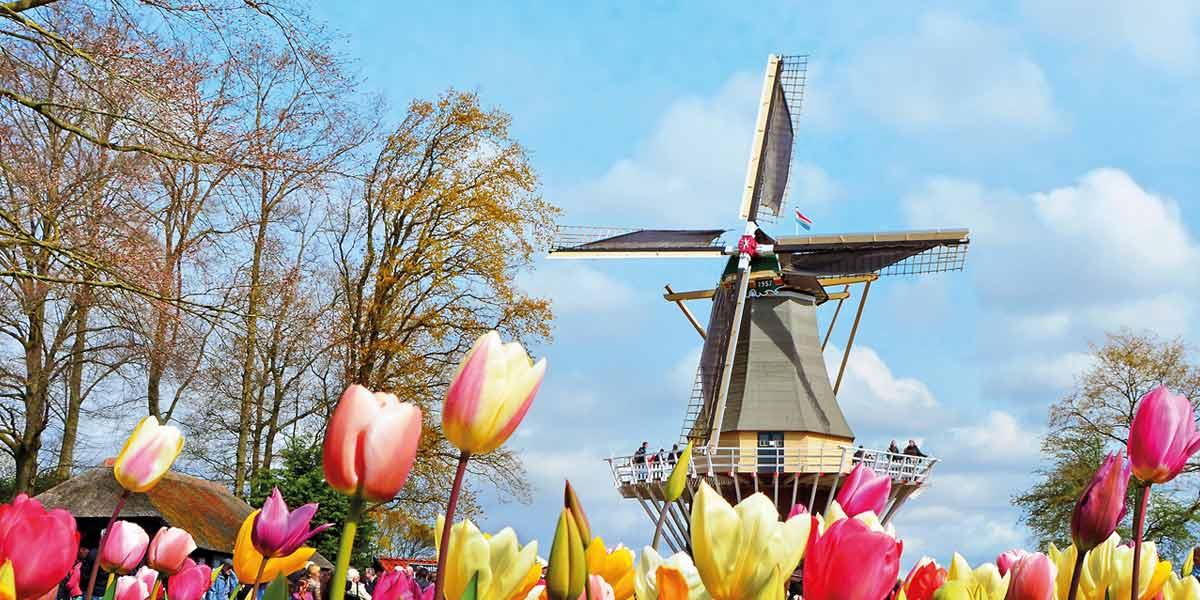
(599, 242)
(774, 134)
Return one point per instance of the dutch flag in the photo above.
(803, 221)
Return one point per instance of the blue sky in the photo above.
(1063, 134)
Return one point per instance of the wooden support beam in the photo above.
(687, 313)
(853, 331)
(836, 312)
(838, 296)
(843, 280)
(795, 487)
(673, 296)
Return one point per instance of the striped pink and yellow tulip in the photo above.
(490, 394)
(147, 456)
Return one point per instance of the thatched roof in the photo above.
(205, 509)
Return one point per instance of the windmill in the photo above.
(763, 415)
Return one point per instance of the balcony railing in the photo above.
(904, 469)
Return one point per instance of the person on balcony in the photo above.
(639, 461)
(912, 450)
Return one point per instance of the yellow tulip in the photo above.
(246, 559)
(615, 567)
(981, 583)
(645, 579)
(834, 513)
(566, 571)
(678, 479)
(530, 581)
(737, 549)
(1181, 588)
(147, 455)
(8, 582)
(1107, 571)
(500, 561)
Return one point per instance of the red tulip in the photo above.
(169, 549)
(1162, 436)
(864, 491)
(371, 444)
(1006, 560)
(41, 545)
(124, 548)
(279, 532)
(1032, 578)
(923, 580)
(131, 588)
(73, 581)
(1102, 505)
(190, 581)
(851, 562)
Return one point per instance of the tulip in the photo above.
(864, 491)
(851, 562)
(646, 579)
(8, 585)
(247, 560)
(124, 547)
(566, 572)
(671, 584)
(923, 580)
(169, 550)
(597, 589)
(981, 583)
(1122, 562)
(834, 513)
(40, 544)
(1098, 512)
(147, 576)
(280, 532)
(1162, 436)
(371, 444)
(953, 590)
(500, 562)
(575, 508)
(615, 567)
(73, 589)
(190, 581)
(1006, 560)
(490, 394)
(1032, 578)
(147, 456)
(399, 585)
(131, 588)
(736, 549)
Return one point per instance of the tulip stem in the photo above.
(262, 566)
(1079, 557)
(1139, 529)
(444, 548)
(337, 585)
(662, 516)
(104, 538)
(157, 587)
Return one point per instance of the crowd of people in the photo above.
(654, 465)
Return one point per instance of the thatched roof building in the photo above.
(205, 509)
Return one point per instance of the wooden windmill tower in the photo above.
(764, 414)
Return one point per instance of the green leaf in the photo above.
(111, 589)
(277, 590)
(472, 590)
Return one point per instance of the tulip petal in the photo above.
(670, 584)
(246, 559)
(355, 412)
(388, 449)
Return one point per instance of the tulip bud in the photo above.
(566, 572)
(1162, 436)
(190, 582)
(169, 550)
(1102, 505)
(124, 548)
(864, 491)
(370, 444)
(1032, 578)
(678, 479)
(575, 507)
(1006, 560)
(131, 588)
(147, 456)
(490, 394)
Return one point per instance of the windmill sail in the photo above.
(771, 153)
(596, 242)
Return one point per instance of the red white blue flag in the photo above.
(804, 221)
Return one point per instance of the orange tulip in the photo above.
(246, 560)
(670, 584)
(371, 444)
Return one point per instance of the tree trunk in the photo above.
(26, 455)
(66, 452)
(244, 420)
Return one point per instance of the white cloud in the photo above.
(999, 437)
(950, 74)
(1163, 34)
(872, 397)
(578, 288)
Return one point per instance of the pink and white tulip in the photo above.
(131, 588)
(1032, 578)
(1162, 436)
(169, 550)
(864, 491)
(279, 532)
(124, 548)
(371, 444)
(1006, 560)
(490, 394)
(147, 456)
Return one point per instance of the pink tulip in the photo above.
(490, 394)
(851, 562)
(371, 444)
(1032, 578)
(1007, 559)
(124, 548)
(147, 456)
(40, 544)
(598, 589)
(131, 588)
(399, 585)
(797, 509)
(279, 532)
(1102, 505)
(73, 581)
(190, 581)
(1162, 436)
(169, 549)
(864, 491)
